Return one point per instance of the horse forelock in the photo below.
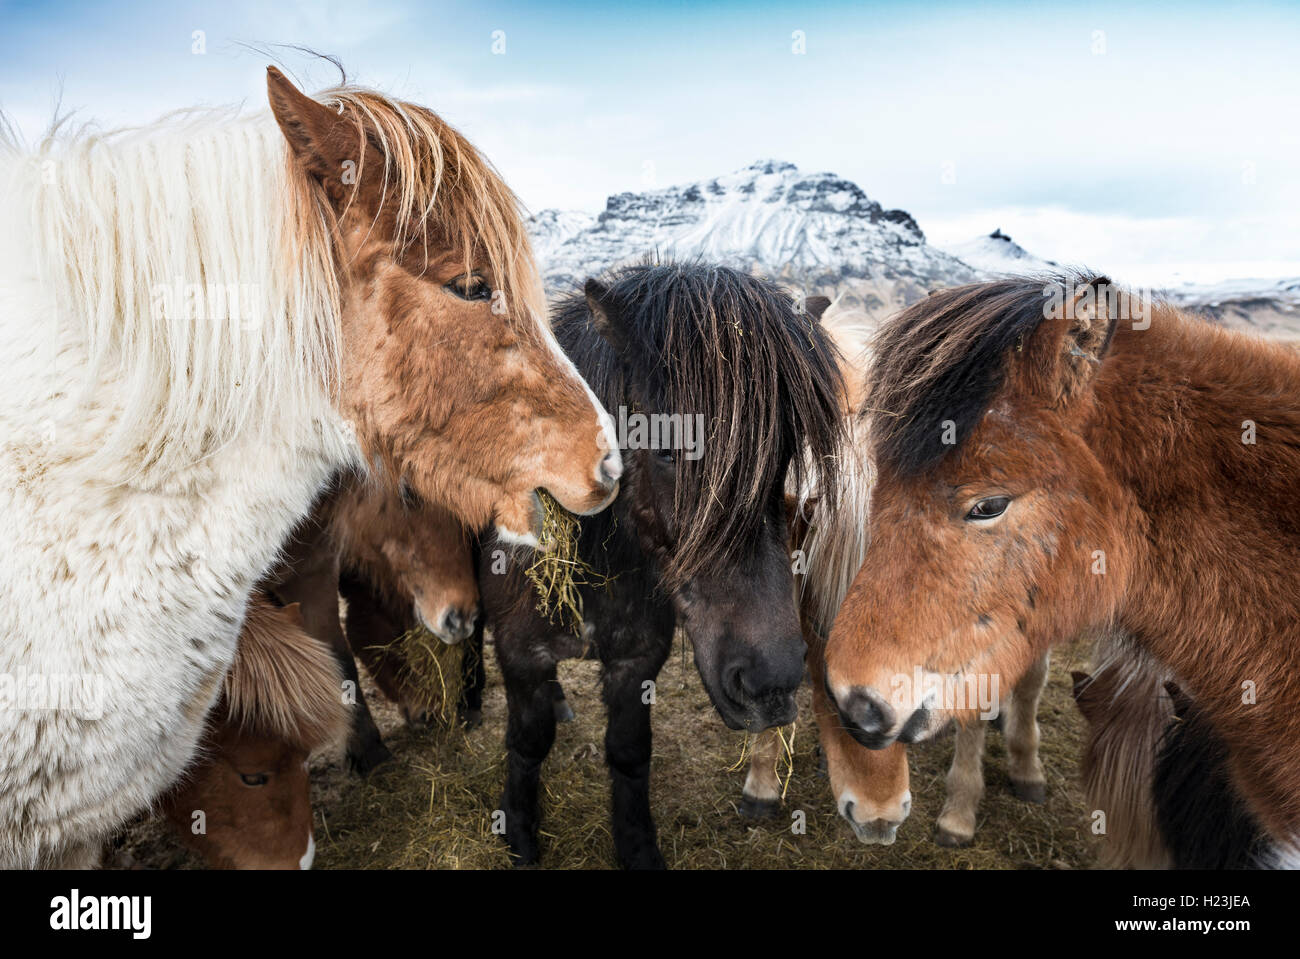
(284, 683)
(730, 347)
(938, 366)
(446, 194)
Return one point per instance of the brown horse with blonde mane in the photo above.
(1059, 456)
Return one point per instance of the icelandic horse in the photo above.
(204, 320)
(245, 802)
(871, 788)
(698, 537)
(1055, 457)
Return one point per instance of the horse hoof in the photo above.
(563, 711)
(1034, 792)
(951, 840)
(524, 852)
(366, 760)
(647, 860)
(471, 719)
(752, 808)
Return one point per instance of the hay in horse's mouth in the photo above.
(558, 569)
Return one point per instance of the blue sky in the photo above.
(1142, 139)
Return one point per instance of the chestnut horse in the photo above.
(399, 562)
(203, 321)
(871, 786)
(724, 389)
(245, 803)
(871, 789)
(1058, 456)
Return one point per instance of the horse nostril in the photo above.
(732, 683)
(866, 710)
(611, 468)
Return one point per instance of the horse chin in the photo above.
(520, 523)
(753, 717)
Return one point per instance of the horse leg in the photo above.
(473, 677)
(1021, 730)
(870, 786)
(530, 733)
(371, 628)
(624, 684)
(563, 711)
(310, 577)
(761, 797)
(956, 823)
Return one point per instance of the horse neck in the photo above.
(1215, 586)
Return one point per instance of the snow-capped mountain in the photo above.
(1270, 307)
(996, 253)
(815, 231)
(822, 234)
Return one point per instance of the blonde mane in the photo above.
(836, 544)
(196, 264)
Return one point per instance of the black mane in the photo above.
(944, 359)
(712, 340)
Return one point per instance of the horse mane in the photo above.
(284, 683)
(196, 262)
(944, 358)
(1203, 819)
(718, 342)
(446, 193)
(836, 542)
(1127, 711)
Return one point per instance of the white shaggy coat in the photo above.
(155, 450)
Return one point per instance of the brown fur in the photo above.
(414, 555)
(1108, 438)
(280, 701)
(416, 563)
(465, 399)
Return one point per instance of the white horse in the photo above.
(200, 322)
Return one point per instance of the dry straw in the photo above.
(558, 570)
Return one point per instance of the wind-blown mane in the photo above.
(721, 338)
(944, 359)
(195, 263)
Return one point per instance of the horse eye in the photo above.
(990, 508)
(665, 456)
(254, 779)
(471, 286)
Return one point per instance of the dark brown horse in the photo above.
(1055, 457)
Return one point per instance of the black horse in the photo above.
(698, 534)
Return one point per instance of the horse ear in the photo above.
(1182, 702)
(293, 613)
(816, 305)
(606, 316)
(1067, 349)
(317, 136)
